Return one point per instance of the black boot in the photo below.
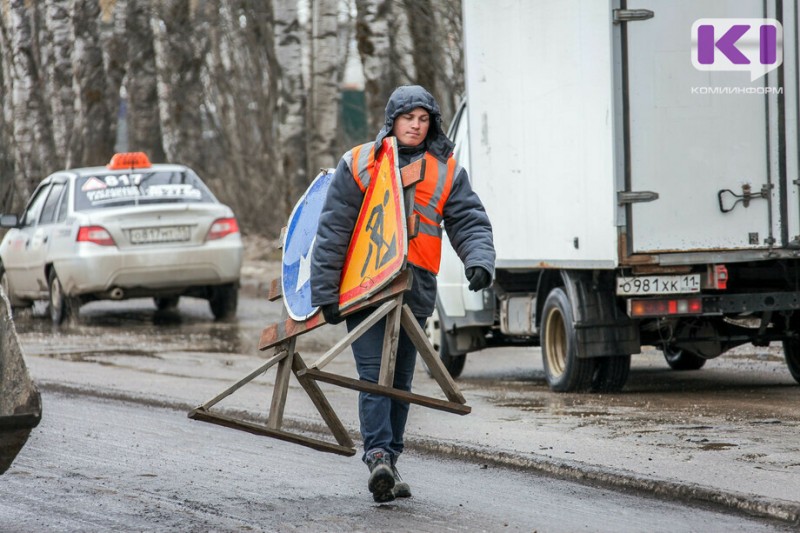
(381, 477)
(401, 488)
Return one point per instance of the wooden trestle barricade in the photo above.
(282, 336)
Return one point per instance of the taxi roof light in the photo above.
(129, 160)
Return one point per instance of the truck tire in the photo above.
(791, 352)
(167, 303)
(611, 373)
(224, 300)
(564, 371)
(436, 335)
(60, 306)
(679, 359)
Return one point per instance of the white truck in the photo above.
(639, 163)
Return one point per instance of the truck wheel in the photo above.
(453, 363)
(167, 303)
(224, 300)
(791, 351)
(564, 371)
(61, 306)
(679, 359)
(611, 373)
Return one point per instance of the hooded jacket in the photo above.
(465, 219)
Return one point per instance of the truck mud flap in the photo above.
(20, 401)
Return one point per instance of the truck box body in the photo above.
(569, 110)
(620, 146)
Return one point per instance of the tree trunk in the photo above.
(7, 186)
(34, 148)
(179, 39)
(114, 41)
(292, 130)
(144, 126)
(59, 74)
(92, 139)
(451, 79)
(374, 46)
(324, 105)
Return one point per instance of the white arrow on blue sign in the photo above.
(300, 236)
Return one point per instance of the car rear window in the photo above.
(135, 188)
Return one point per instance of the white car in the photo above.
(129, 229)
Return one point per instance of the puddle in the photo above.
(718, 446)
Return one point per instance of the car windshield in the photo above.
(135, 188)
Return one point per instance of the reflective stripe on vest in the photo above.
(424, 250)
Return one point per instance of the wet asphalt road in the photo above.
(99, 465)
(677, 413)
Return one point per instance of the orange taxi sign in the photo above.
(378, 247)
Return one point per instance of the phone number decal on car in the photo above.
(646, 285)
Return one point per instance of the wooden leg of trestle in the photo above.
(431, 358)
(390, 340)
(321, 403)
(281, 387)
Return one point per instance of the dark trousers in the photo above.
(383, 419)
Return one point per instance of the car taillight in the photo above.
(665, 307)
(222, 227)
(96, 234)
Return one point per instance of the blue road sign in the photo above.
(300, 236)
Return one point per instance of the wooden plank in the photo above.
(390, 341)
(359, 330)
(275, 290)
(321, 403)
(282, 237)
(431, 358)
(277, 333)
(279, 355)
(413, 173)
(374, 388)
(256, 429)
(281, 388)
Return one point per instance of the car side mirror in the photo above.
(9, 221)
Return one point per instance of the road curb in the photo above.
(599, 476)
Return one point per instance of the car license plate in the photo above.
(647, 285)
(157, 235)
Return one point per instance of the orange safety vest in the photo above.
(424, 250)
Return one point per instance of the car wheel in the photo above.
(679, 359)
(167, 303)
(564, 371)
(61, 306)
(436, 335)
(223, 301)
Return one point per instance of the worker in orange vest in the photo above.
(444, 197)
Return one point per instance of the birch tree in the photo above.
(144, 126)
(374, 47)
(292, 100)
(59, 74)
(7, 186)
(93, 140)
(179, 41)
(324, 106)
(114, 42)
(33, 145)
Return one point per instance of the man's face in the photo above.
(411, 128)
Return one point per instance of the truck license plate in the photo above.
(163, 234)
(647, 285)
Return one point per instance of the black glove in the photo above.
(479, 278)
(331, 313)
